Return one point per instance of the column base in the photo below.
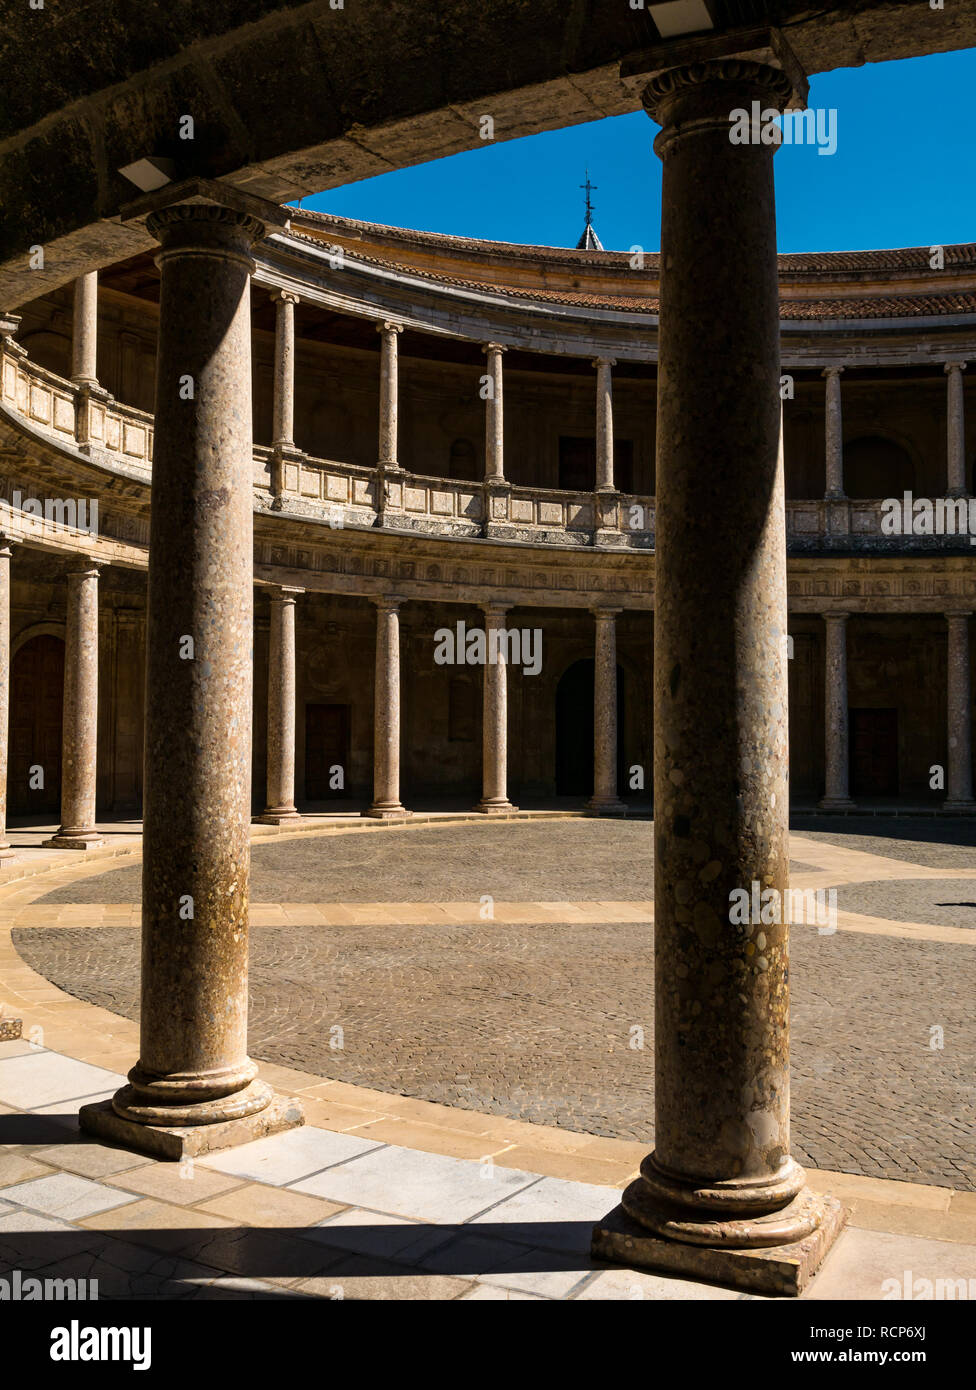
(494, 807)
(387, 811)
(964, 805)
(291, 817)
(74, 839)
(6, 852)
(773, 1269)
(187, 1141)
(836, 803)
(11, 1029)
(609, 806)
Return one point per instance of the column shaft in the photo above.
(280, 807)
(5, 553)
(494, 798)
(283, 427)
(955, 431)
(604, 800)
(604, 424)
(837, 740)
(84, 331)
(79, 730)
(959, 788)
(834, 435)
(389, 373)
(193, 1067)
(494, 415)
(386, 715)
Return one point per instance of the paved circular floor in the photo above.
(535, 1021)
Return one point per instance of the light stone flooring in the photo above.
(318, 1213)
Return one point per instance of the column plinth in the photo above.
(386, 804)
(605, 801)
(79, 735)
(959, 783)
(720, 1196)
(194, 1086)
(836, 795)
(280, 809)
(6, 550)
(494, 798)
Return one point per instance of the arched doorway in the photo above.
(36, 702)
(574, 730)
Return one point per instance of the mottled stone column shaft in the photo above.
(193, 1066)
(84, 331)
(604, 798)
(386, 713)
(283, 425)
(494, 414)
(79, 733)
(389, 373)
(955, 431)
(833, 434)
(281, 709)
(959, 788)
(836, 732)
(494, 798)
(604, 423)
(721, 1162)
(5, 553)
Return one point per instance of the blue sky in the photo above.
(904, 173)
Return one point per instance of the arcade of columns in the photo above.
(720, 1195)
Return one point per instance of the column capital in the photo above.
(699, 92)
(493, 611)
(959, 365)
(604, 361)
(7, 543)
(286, 592)
(957, 613)
(210, 228)
(605, 614)
(85, 568)
(387, 603)
(388, 326)
(286, 296)
(832, 371)
(837, 615)
(493, 347)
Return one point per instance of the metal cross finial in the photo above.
(590, 188)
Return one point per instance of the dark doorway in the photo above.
(874, 752)
(36, 702)
(574, 731)
(326, 747)
(577, 463)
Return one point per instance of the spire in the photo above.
(589, 241)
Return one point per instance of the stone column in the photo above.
(389, 372)
(79, 730)
(6, 550)
(955, 431)
(720, 1196)
(194, 1086)
(837, 741)
(494, 800)
(604, 423)
(386, 714)
(494, 415)
(84, 331)
(280, 809)
(283, 426)
(604, 800)
(834, 436)
(959, 789)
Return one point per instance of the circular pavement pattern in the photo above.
(535, 1021)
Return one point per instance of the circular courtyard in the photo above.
(508, 968)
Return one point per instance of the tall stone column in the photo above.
(720, 1195)
(955, 431)
(79, 731)
(283, 423)
(280, 809)
(834, 435)
(605, 801)
(389, 374)
(604, 423)
(386, 803)
(6, 550)
(84, 331)
(494, 415)
(494, 798)
(959, 789)
(837, 758)
(194, 1086)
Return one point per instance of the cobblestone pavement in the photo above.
(936, 844)
(943, 902)
(535, 1021)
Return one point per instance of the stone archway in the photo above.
(36, 703)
